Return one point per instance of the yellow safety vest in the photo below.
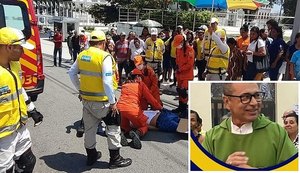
(90, 70)
(218, 62)
(154, 54)
(199, 49)
(208, 43)
(12, 104)
(173, 49)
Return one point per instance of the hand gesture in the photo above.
(238, 159)
(114, 108)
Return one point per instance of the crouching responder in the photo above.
(129, 104)
(96, 88)
(149, 78)
(15, 141)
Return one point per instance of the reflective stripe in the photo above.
(91, 93)
(152, 61)
(216, 69)
(219, 56)
(9, 128)
(89, 73)
(10, 97)
(24, 118)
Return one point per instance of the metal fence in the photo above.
(230, 18)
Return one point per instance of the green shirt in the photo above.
(266, 146)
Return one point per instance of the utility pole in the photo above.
(296, 25)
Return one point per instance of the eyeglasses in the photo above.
(246, 98)
(15, 41)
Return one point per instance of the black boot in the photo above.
(117, 161)
(92, 156)
(136, 142)
(184, 111)
(124, 141)
(178, 109)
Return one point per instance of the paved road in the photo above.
(59, 150)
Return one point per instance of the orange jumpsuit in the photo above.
(185, 71)
(150, 79)
(130, 108)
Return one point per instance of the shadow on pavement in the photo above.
(164, 137)
(71, 162)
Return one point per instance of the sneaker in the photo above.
(120, 162)
(136, 142)
(80, 131)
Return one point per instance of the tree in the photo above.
(139, 4)
(104, 13)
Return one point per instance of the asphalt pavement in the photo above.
(59, 150)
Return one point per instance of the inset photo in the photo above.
(243, 126)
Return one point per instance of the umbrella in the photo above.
(148, 23)
(219, 4)
(241, 4)
(227, 4)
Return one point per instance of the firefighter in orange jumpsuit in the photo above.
(129, 105)
(149, 78)
(184, 71)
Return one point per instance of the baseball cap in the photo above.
(97, 35)
(180, 26)
(12, 36)
(214, 19)
(136, 72)
(177, 40)
(138, 60)
(122, 33)
(154, 31)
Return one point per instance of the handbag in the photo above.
(262, 63)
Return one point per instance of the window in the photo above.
(15, 14)
(219, 112)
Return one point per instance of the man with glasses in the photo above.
(247, 139)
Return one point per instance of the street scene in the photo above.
(64, 152)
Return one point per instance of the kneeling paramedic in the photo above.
(15, 141)
(96, 87)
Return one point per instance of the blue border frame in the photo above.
(234, 167)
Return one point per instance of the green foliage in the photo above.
(140, 4)
(185, 18)
(104, 14)
(289, 7)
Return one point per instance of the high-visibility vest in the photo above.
(154, 53)
(218, 62)
(208, 43)
(13, 108)
(90, 70)
(199, 49)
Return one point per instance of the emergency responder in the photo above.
(131, 111)
(217, 62)
(96, 87)
(208, 43)
(15, 142)
(154, 49)
(149, 78)
(200, 60)
(184, 71)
